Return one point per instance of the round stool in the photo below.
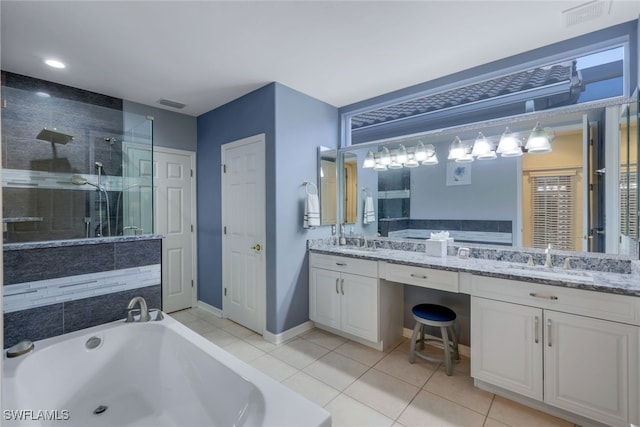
(443, 318)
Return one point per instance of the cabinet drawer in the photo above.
(361, 267)
(601, 305)
(420, 276)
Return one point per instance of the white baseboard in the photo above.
(209, 308)
(462, 349)
(288, 334)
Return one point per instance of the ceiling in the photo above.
(207, 53)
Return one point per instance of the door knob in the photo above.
(256, 247)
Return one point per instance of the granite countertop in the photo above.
(599, 281)
(78, 242)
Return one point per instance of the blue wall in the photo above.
(170, 129)
(295, 125)
(250, 115)
(302, 124)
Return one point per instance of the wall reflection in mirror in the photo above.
(75, 164)
(561, 194)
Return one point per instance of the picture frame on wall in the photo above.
(458, 173)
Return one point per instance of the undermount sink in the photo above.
(550, 273)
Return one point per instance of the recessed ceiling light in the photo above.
(54, 63)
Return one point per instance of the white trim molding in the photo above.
(209, 309)
(289, 334)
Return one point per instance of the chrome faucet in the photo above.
(144, 311)
(548, 263)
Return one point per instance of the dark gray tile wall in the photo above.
(53, 320)
(47, 263)
(89, 117)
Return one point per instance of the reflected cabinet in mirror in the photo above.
(530, 180)
(327, 177)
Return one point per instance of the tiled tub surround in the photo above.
(51, 288)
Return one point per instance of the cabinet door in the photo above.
(506, 345)
(590, 365)
(359, 306)
(324, 297)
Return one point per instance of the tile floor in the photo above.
(361, 386)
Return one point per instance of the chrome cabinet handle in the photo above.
(337, 291)
(341, 264)
(342, 286)
(549, 332)
(537, 329)
(535, 295)
(419, 276)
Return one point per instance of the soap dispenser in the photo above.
(343, 239)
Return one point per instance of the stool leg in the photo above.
(454, 337)
(412, 347)
(447, 350)
(422, 329)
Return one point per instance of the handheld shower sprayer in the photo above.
(79, 180)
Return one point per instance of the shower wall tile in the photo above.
(89, 312)
(33, 324)
(88, 116)
(48, 263)
(134, 254)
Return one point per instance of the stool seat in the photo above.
(434, 312)
(440, 317)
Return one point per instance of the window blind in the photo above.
(553, 203)
(629, 202)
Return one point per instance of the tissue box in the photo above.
(436, 248)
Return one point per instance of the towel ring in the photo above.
(367, 191)
(308, 184)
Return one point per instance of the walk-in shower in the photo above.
(71, 164)
(79, 180)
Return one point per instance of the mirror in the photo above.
(327, 177)
(528, 201)
(629, 177)
(350, 189)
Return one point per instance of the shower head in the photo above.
(54, 136)
(78, 180)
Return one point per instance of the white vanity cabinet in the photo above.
(565, 347)
(346, 297)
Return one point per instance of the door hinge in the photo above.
(192, 283)
(191, 173)
(192, 228)
(225, 292)
(224, 229)
(224, 168)
(590, 187)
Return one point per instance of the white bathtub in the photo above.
(146, 374)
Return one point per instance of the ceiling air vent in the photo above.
(172, 104)
(585, 12)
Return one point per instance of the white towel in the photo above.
(369, 213)
(311, 211)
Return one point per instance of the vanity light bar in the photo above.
(401, 157)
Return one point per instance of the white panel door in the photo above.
(244, 218)
(506, 345)
(588, 368)
(174, 219)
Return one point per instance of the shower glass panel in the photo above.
(73, 169)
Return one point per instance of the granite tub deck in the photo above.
(622, 283)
